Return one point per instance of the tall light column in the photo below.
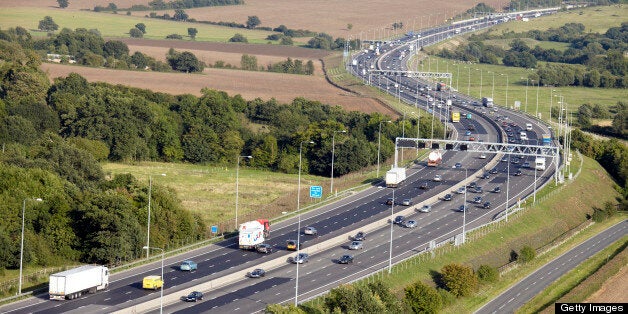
(19, 287)
(507, 185)
(333, 152)
(538, 84)
(481, 82)
(392, 209)
(506, 89)
(150, 192)
(469, 83)
(238, 187)
(493, 88)
(296, 288)
(551, 104)
(161, 294)
(379, 143)
(464, 212)
(526, 110)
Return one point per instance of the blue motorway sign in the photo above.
(316, 191)
(214, 229)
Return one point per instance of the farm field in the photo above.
(283, 87)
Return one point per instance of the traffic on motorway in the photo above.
(431, 199)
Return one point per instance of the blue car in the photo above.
(467, 133)
(188, 266)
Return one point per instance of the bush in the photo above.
(238, 38)
(446, 296)
(174, 36)
(136, 33)
(526, 254)
(459, 279)
(487, 274)
(422, 298)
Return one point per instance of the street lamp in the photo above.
(392, 208)
(506, 88)
(296, 288)
(19, 288)
(493, 88)
(161, 294)
(238, 187)
(480, 81)
(333, 142)
(551, 103)
(379, 143)
(508, 184)
(469, 82)
(526, 110)
(150, 191)
(538, 84)
(464, 207)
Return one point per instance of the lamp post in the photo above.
(296, 288)
(526, 110)
(392, 208)
(333, 151)
(464, 207)
(551, 103)
(506, 88)
(507, 185)
(238, 187)
(161, 294)
(480, 81)
(469, 82)
(493, 88)
(19, 287)
(379, 143)
(150, 192)
(538, 84)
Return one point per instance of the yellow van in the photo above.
(152, 282)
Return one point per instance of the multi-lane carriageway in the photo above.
(366, 209)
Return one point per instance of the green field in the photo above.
(505, 43)
(118, 25)
(596, 19)
(486, 80)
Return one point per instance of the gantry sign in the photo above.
(412, 74)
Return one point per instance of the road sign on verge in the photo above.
(214, 229)
(316, 191)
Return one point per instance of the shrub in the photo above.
(422, 298)
(459, 279)
(487, 274)
(526, 254)
(136, 33)
(174, 36)
(238, 38)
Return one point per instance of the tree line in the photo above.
(169, 5)
(592, 60)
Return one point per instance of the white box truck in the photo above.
(73, 283)
(539, 163)
(252, 233)
(395, 176)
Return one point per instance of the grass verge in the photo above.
(583, 280)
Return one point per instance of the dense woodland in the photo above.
(54, 136)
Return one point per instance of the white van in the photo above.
(529, 126)
(523, 135)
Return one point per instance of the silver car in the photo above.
(425, 209)
(310, 231)
(356, 245)
(410, 224)
(301, 258)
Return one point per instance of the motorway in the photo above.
(517, 295)
(332, 221)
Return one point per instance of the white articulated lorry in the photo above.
(395, 176)
(73, 283)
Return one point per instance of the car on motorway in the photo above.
(496, 189)
(345, 259)
(390, 201)
(518, 173)
(493, 171)
(310, 231)
(356, 245)
(406, 202)
(264, 248)
(410, 224)
(504, 159)
(471, 138)
(477, 189)
(458, 165)
(486, 176)
(360, 236)
(399, 219)
(482, 156)
(438, 178)
(472, 185)
(462, 208)
(486, 205)
(477, 200)
(256, 273)
(525, 165)
(152, 282)
(291, 245)
(193, 296)
(467, 133)
(424, 186)
(300, 258)
(447, 197)
(425, 208)
(514, 160)
(461, 190)
(188, 266)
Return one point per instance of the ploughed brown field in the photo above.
(369, 18)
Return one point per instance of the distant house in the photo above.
(53, 57)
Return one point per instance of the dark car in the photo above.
(518, 173)
(477, 200)
(458, 165)
(424, 186)
(256, 273)
(399, 220)
(345, 259)
(486, 176)
(390, 201)
(462, 208)
(193, 297)
(486, 205)
(264, 248)
(493, 171)
(496, 189)
(478, 189)
(360, 236)
(472, 185)
(447, 197)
